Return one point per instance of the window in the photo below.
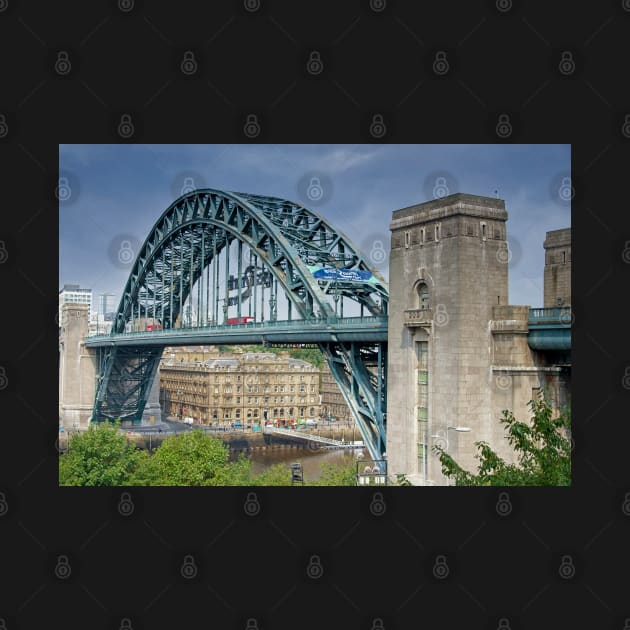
(564, 258)
(437, 232)
(312, 411)
(421, 235)
(407, 238)
(423, 296)
(483, 232)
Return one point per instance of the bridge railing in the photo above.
(367, 321)
(554, 315)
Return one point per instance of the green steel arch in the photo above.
(286, 238)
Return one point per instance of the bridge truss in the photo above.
(216, 258)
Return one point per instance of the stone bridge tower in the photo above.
(448, 271)
(77, 368)
(78, 373)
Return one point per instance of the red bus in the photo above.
(239, 320)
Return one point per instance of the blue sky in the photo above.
(111, 195)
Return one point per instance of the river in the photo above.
(310, 460)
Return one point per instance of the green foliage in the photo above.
(543, 450)
(102, 457)
(402, 480)
(98, 457)
(337, 474)
(190, 459)
(276, 475)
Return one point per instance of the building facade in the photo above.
(333, 404)
(73, 294)
(458, 351)
(248, 387)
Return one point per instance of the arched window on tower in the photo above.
(423, 296)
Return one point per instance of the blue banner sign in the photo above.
(341, 275)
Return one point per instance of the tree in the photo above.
(191, 459)
(276, 475)
(543, 449)
(98, 457)
(343, 474)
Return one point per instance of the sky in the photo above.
(111, 195)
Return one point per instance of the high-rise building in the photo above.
(74, 294)
(106, 306)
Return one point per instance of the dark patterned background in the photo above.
(433, 72)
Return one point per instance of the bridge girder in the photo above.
(286, 237)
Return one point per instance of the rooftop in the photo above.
(457, 203)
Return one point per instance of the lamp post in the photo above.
(446, 443)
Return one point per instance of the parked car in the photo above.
(311, 422)
(237, 425)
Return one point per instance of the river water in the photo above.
(310, 460)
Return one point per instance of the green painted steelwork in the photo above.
(284, 238)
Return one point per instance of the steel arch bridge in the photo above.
(295, 275)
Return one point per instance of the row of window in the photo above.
(433, 233)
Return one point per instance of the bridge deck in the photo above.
(365, 329)
(307, 436)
